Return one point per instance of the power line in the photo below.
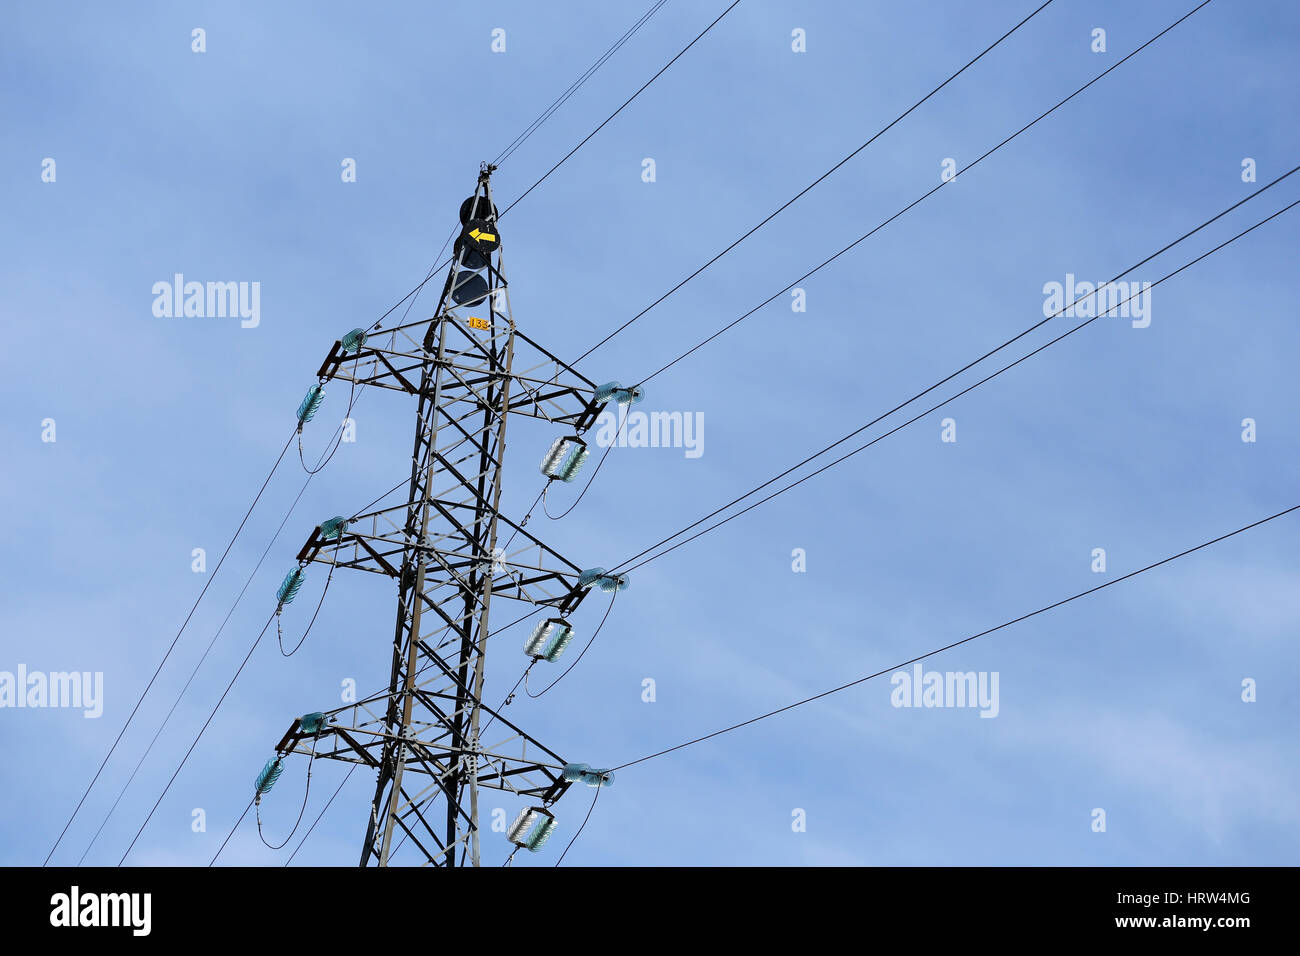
(964, 640)
(319, 815)
(918, 201)
(326, 458)
(576, 85)
(364, 508)
(952, 398)
(626, 102)
(232, 830)
(585, 488)
(134, 710)
(957, 395)
(415, 292)
(594, 798)
(656, 373)
(352, 400)
(772, 215)
(775, 213)
(988, 631)
(194, 673)
(311, 473)
(297, 823)
(807, 189)
(315, 614)
(197, 737)
(411, 296)
(591, 640)
(971, 365)
(575, 149)
(982, 633)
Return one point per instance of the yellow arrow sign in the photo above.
(485, 236)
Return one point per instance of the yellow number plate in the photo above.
(476, 323)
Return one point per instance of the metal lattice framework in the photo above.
(469, 368)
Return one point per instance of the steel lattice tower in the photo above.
(469, 369)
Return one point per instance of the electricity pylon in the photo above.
(469, 368)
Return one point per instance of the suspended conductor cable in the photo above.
(541, 496)
(985, 356)
(319, 815)
(194, 673)
(354, 395)
(523, 678)
(326, 459)
(415, 292)
(232, 830)
(952, 398)
(362, 510)
(594, 472)
(134, 710)
(306, 794)
(571, 152)
(319, 604)
(411, 296)
(149, 748)
(626, 102)
(918, 201)
(590, 641)
(576, 85)
(964, 640)
(768, 219)
(807, 189)
(581, 828)
(780, 209)
(197, 738)
(622, 425)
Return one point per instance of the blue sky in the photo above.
(226, 166)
